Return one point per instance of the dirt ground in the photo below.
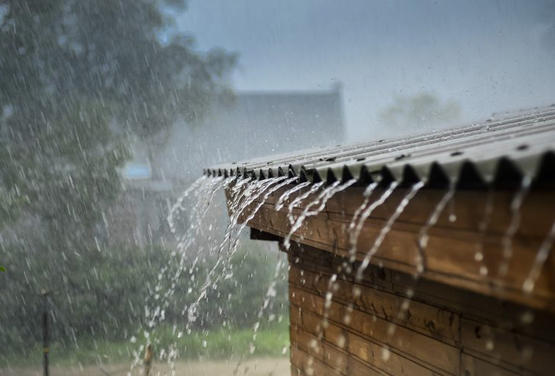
(252, 367)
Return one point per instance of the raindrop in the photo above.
(386, 354)
(541, 257)
(507, 240)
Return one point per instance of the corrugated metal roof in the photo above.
(495, 151)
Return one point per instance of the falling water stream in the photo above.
(285, 196)
(355, 226)
(321, 201)
(232, 234)
(514, 223)
(353, 236)
(421, 260)
(539, 261)
(202, 191)
(482, 229)
(423, 236)
(242, 194)
(365, 215)
(246, 197)
(386, 228)
(299, 199)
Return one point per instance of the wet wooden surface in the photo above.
(451, 253)
(435, 334)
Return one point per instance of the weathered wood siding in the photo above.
(452, 246)
(461, 316)
(441, 330)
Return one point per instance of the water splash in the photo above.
(321, 201)
(386, 228)
(507, 240)
(541, 257)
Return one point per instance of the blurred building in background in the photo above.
(245, 126)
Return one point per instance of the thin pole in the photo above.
(45, 348)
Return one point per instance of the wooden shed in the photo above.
(428, 255)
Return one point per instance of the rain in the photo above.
(303, 187)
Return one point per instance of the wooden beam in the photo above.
(261, 235)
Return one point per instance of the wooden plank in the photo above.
(311, 365)
(411, 344)
(337, 336)
(296, 371)
(451, 259)
(295, 315)
(472, 366)
(433, 321)
(513, 350)
(477, 307)
(359, 368)
(383, 358)
(474, 306)
(510, 339)
(261, 235)
(468, 206)
(330, 355)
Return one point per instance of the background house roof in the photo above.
(500, 150)
(253, 124)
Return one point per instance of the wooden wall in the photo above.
(441, 330)
(452, 246)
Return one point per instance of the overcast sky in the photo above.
(486, 55)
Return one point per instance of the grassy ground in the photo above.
(198, 350)
(250, 367)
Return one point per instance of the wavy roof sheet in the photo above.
(495, 152)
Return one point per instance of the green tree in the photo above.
(421, 110)
(78, 79)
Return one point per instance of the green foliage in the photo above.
(105, 300)
(78, 79)
(217, 344)
(421, 110)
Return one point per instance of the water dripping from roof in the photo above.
(252, 192)
(201, 192)
(321, 201)
(423, 236)
(541, 257)
(482, 228)
(270, 294)
(386, 228)
(355, 233)
(285, 196)
(298, 200)
(179, 204)
(507, 240)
